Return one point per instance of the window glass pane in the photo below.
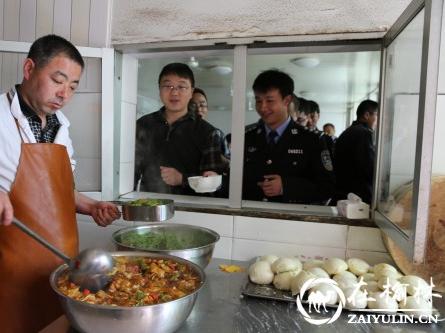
(436, 228)
(336, 83)
(196, 141)
(400, 119)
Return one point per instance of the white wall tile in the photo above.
(126, 177)
(28, 20)
(223, 249)
(371, 257)
(94, 68)
(20, 61)
(9, 71)
(244, 249)
(44, 17)
(222, 224)
(129, 79)
(2, 4)
(11, 19)
(87, 175)
(128, 132)
(366, 239)
(80, 10)
(84, 114)
(99, 24)
(302, 233)
(62, 18)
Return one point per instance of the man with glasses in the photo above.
(173, 143)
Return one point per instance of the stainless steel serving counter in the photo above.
(220, 308)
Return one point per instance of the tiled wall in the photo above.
(243, 238)
(84, 23)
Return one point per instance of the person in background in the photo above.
(329, 137)
(283, 162)
(199, 100)
(174, 143)
(355, 154)
(37, 185)
(313, 117)
(329, 130)
(303, 114)
(294, 108)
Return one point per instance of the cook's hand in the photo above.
(209, 173)
(272, 185)
(6, 211)
(104, 213)
(171, 176)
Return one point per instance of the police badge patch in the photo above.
(326, 160)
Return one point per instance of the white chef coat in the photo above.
(10, 140)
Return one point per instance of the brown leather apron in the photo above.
(42, 195)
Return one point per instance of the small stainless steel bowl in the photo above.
(158, 213)
(160, 318)
(199, 242)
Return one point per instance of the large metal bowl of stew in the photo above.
(149, 292)
(182, 240)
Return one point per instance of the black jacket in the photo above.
(190, 145)
(298, 157)
(354, 161)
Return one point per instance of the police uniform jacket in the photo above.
(298, 157)
(354, 161)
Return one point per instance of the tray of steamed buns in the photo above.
(365, 287)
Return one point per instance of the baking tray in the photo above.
(270, 292)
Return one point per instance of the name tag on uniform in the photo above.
(295, 151)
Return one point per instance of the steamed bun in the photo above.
(335, 265)
(357, 266)
(286, 264)
(260, 273)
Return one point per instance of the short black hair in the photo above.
(328, 124)
(179, 69)
(313, 107)
(47, 47)
(366, 106)
(200, 91)
(303, 105)
(274, 79)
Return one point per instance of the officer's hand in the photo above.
(6, 211)
(104, 213)
(171, 176)
(272, 185)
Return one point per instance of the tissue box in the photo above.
(353, 209)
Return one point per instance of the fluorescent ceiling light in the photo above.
(306, 62)
(221, 69)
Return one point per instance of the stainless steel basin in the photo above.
(197, 243)
(160, 318)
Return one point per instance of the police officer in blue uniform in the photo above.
(283, 161)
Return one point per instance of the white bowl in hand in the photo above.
(201, 184)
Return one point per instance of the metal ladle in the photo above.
(89, 269)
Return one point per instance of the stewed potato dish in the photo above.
(137, 281)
